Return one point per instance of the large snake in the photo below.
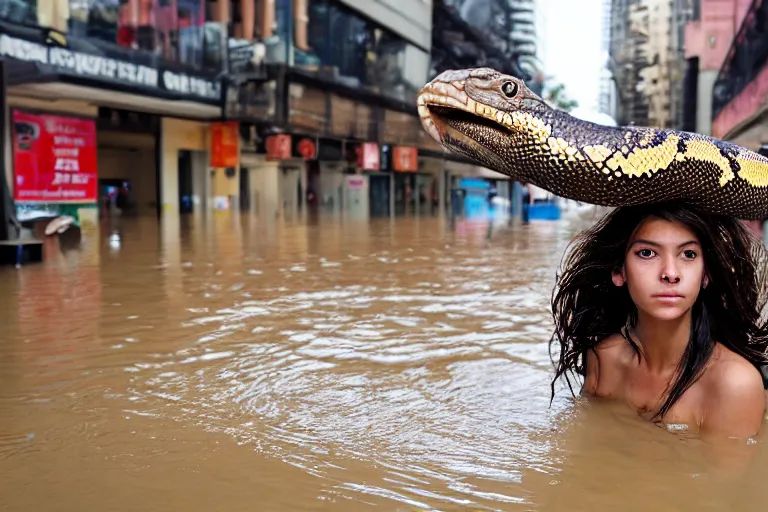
(497, 121)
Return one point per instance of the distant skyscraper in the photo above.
(528, 34)
(646, 60)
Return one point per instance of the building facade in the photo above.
(607, 95)
(708, 38)
(114, 93)
(647, 61)
(335, 100)
(183, 106)
(740, 91)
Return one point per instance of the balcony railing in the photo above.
(747, 56)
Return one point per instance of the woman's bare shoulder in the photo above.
(605, 363)
(734, 396)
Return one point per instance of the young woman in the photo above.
(660, 306)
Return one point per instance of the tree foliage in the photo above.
(557, 97)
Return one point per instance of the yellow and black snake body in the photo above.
(497, 121)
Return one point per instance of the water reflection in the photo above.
(316, 365)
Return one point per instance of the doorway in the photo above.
(115, 197)
(379, 194)
(186, 202)
(245, 189)
(405, 183)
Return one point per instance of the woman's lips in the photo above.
(668, 297)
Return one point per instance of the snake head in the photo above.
(480, 113)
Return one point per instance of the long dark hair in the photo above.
(587, 307)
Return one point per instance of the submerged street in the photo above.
(227, 363)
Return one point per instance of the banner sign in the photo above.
(107, 68)
(369, 156)
(278, 147)
(225, 144)
(405, 159)
(54, 159)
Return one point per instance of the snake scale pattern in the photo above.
(497, 121)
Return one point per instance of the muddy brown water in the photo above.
(226, 363)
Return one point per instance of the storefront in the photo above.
(300, 139)
(133, 117)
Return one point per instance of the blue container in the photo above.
(476, 199)
(541, 211)
(476, 206)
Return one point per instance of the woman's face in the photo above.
(663, 269)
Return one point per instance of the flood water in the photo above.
(227, 363)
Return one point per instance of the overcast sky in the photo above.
(573, 46)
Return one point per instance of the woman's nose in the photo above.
(670, 273)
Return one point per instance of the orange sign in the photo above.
(279, 147)
(225, 144)
(405, 159)
(368, 156)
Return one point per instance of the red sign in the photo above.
(405, 159)
(225, 144)
(306, 148)
(279, 147)
(368, 157)
(54, 159)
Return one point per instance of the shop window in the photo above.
(359, 52)
(175, 30)
(398, 68)
(191, 35)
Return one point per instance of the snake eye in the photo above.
(509, 89)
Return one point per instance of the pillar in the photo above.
(224, 186)
(517, 199)
(441, 180)
(264, 183)
(177, 134)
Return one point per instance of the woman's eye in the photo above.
(645, 253)
(690, 254)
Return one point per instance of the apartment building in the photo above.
(708, 39)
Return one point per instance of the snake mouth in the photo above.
(462, 120)
(464, 132)
(449, 123)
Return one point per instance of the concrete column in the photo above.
(517, 200)
(331, 182)
(441, 200)
(169, 177)
(264, 182)
(226, 186)
(178, 134)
